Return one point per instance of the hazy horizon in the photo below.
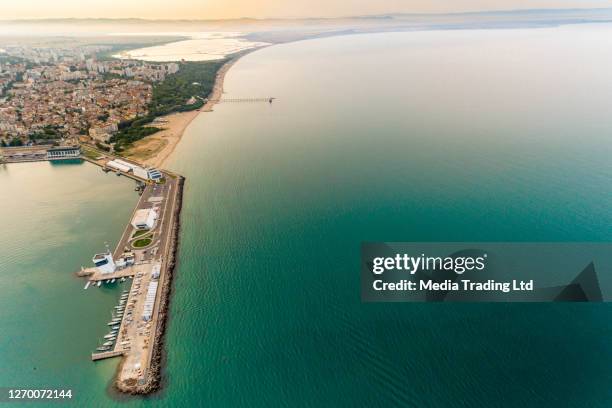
(271, 9)
(374, 15)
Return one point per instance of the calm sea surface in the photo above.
(457, 135)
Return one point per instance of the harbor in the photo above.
(27, 154)
(141, 265)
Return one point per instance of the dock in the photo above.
(268, 99)
(105, 354)
(143, 317)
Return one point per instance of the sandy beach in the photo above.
(154, 150)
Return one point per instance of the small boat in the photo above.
(111, 323)
(113, 280)
(108, 343)
(122, 279)
(102, 349)
(99, 283)
(109, 336)
(87, 284)
(115, 327)
(108, 281)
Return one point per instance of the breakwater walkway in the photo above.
(141, 326)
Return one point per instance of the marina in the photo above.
(136, 322)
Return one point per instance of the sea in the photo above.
(458, 135)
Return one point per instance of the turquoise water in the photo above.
(54, 217)
(459, 135)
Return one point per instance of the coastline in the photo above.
(154, 150)
(176, 124)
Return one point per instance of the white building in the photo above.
(114, 164)
(138, 171)
(59, 153)
(126, 260)
(144, 218)
(149, 303)
(104, 262)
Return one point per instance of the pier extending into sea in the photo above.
(138, 331)
(268, 99)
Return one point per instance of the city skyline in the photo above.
(232, 9)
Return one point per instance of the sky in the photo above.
(223, 9)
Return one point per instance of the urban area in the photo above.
(52, 96)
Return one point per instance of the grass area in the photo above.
(141, 243)
(194, 79)
(89, 153)
(139, 233)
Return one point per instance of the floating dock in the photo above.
(105, 354)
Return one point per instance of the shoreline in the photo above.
(178, 124)
(155, 150)
(167, 141)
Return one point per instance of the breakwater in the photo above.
(153, 379)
